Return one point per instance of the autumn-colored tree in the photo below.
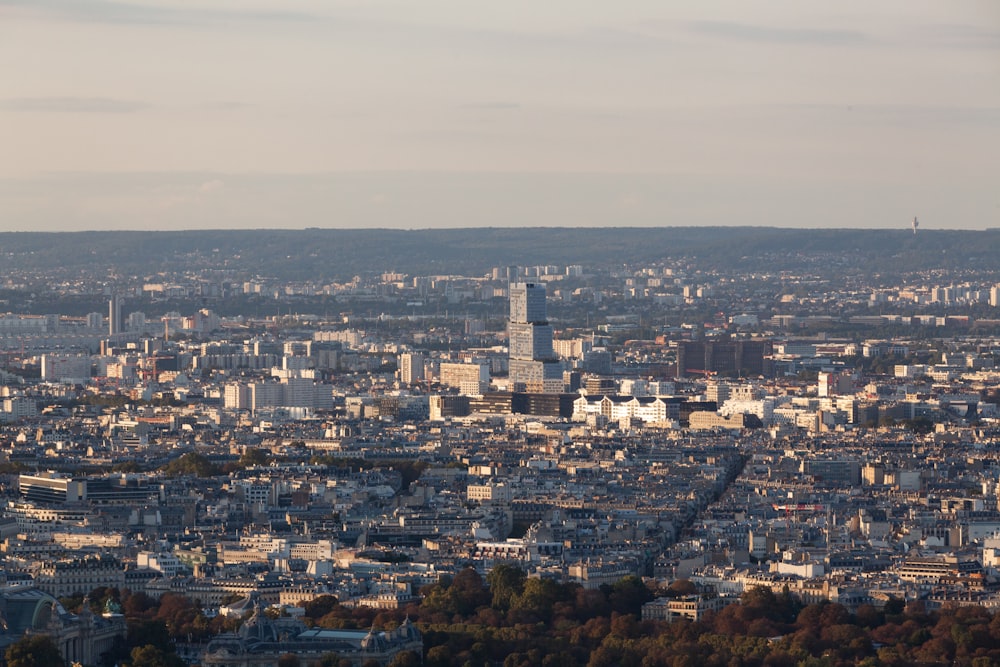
(319, 606)
(153, 656)
(34, 651)
(137, 605)
(680, 588)
(405, 659)
(438, 656)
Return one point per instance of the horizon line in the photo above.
(907, 229)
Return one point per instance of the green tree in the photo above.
(151, 632)
(34, 651)
(254, 457)
(72, 603)
(152, 656)
(191, 463)
(628, 594)
(538, 598)
(506, 582)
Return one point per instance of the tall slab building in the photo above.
(534, 366)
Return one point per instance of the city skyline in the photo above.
(143, 115)
(600, 448)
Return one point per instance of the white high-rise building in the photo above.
(411, 367)
(66, 368)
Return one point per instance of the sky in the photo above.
(225, 114)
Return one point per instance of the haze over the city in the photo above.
(257, 113)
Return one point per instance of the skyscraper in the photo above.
(115, 315)
(534, 365)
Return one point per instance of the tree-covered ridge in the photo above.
(335, 254)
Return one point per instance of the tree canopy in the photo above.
(34, 651)
(191, 463)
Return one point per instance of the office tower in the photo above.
(534, 365)
(115, 315)
(725, 357)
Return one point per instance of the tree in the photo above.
(680, 588)
(506, 582)
(179, 613)
(191, 463)
(438, 656)
(461, 595)
(405, 659)
(137, 604)
(72, 603)
(537, 599)
(628, 594)
(152, 656)
(320, 606)
(759, 597)
(34, 651)
(149, 632)
(254, 457)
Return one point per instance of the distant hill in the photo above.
(337, 254)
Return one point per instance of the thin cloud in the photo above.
(958, 37)
(497, 106)
(227, 106)
(109, 11)
(99, 11)
(757, 33)
(71, 105)
(897, 114)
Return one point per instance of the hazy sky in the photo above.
(179, 114)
